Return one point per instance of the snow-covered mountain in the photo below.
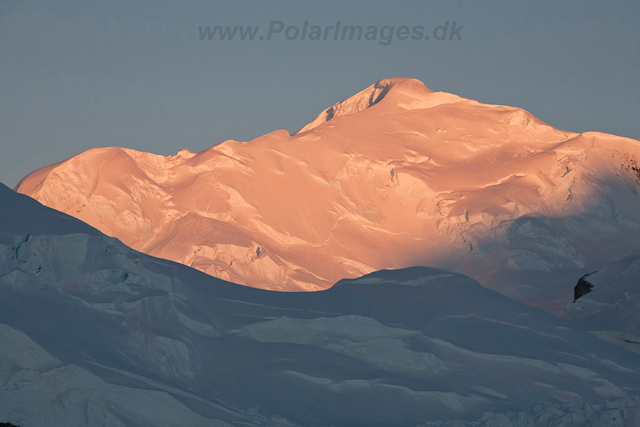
(395, 176)
(94, 333)
(612, 309)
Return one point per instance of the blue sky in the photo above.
(78, 75)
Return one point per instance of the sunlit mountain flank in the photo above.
(395, 176)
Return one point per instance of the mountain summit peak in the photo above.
(398, 91)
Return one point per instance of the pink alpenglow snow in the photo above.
(394, 176)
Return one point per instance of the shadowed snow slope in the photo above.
(612, 310)
(395, 176)
(94, 333)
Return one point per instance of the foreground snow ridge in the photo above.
(393, 177)
(94, 333)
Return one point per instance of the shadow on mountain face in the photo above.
(537, 259)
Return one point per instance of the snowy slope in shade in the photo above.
(95, 333)
(612, 310)
(392, 177)
(40, 390)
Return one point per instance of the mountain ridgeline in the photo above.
(392, 177)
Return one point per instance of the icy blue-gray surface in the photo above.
(94, 333)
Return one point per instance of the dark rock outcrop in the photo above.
(583, 287)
